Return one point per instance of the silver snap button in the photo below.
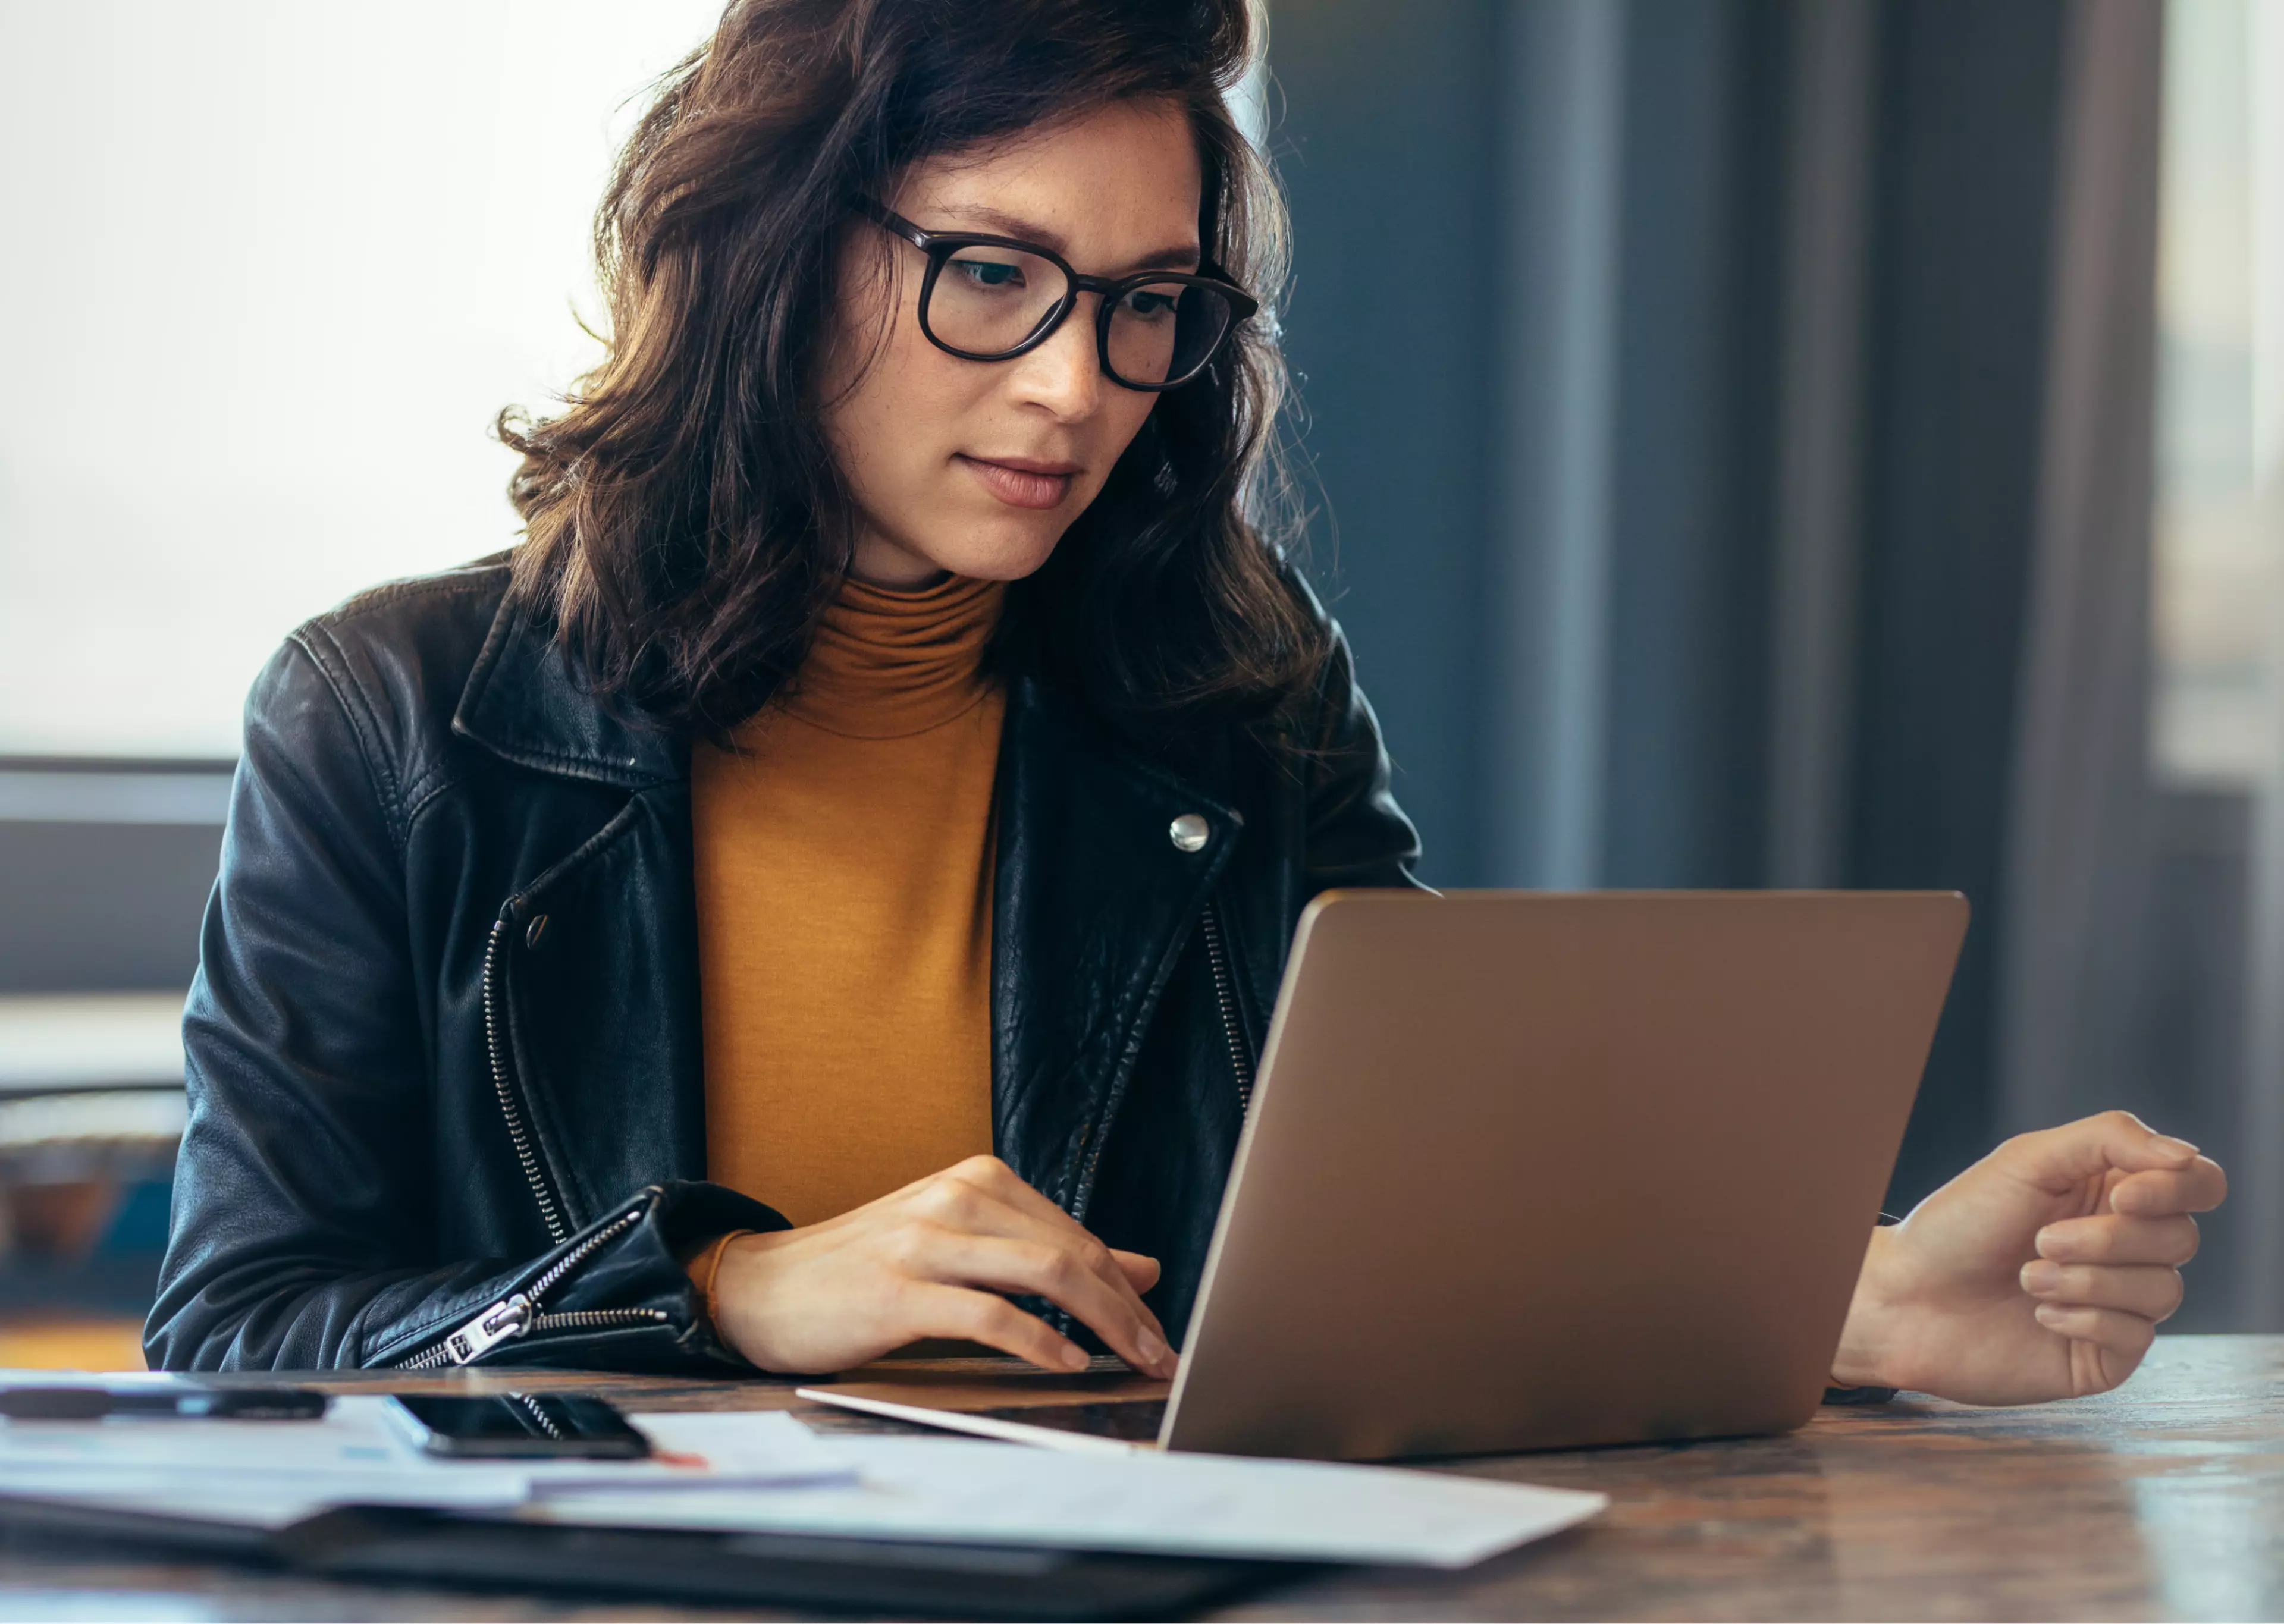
(1188, 831)
(535, 932)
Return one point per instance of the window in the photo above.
(272, 268)
(2220, 445)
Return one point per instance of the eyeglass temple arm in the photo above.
(887, 218)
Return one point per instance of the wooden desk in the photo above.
(2164, 1500)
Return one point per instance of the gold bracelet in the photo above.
(709, 1266)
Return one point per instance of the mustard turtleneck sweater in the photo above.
(844, 863)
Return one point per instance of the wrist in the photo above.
(744, 1303)
(1863, 1358)
(704, 1267)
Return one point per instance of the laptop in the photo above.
(1531, 1171)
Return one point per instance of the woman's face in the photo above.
(978, 468)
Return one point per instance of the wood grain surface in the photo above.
(2162, 1499)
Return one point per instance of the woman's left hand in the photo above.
(2039, 1273)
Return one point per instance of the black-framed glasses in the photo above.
(996, 298)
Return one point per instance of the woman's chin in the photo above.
(993, 552)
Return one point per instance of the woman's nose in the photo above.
(1064, 374)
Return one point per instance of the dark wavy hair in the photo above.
(686, 523)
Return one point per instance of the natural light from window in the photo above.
(2220, 435)
(273, 266)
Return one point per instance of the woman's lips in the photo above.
(1024, 485)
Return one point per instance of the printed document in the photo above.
(268, 1473)
(930, 1488)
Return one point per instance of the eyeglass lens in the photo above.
(991, 301)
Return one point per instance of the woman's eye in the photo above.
(1150, 303)
(990, 273)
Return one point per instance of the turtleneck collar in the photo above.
(887, 663)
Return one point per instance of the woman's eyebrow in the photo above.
(1004, 224)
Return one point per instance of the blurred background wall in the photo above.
(1836, 442)
(1751, 442)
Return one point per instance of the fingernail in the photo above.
(2054, 1243)
(1073, 1356)
(1152, 1349)
(2179, 1148)
(2047, 1312)
(2041, 1278)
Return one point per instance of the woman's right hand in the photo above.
(929, 1260)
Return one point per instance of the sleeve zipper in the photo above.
(518, 1314)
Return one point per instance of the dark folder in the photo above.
(388, 1544)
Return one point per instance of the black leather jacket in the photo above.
(443, 1051)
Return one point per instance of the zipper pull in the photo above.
(504, 1320)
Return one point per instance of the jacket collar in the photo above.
(525, 704)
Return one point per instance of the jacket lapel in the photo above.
(1092, 901)
(601, 963)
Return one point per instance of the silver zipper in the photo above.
(526, 1154)
(539, 1417)
(1241, 1054)
(1241, 1057)
(517, 1315)
(589, 1319)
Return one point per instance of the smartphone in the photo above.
(519, 1426)
(38, 1403)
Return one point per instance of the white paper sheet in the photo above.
(753, 1449)
(352, 1454)
(949, 1489)
(267, 1474)
(765, 1473)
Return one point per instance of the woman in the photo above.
(824, 890)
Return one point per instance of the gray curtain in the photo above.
(1765, 498)
(2079, 866)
